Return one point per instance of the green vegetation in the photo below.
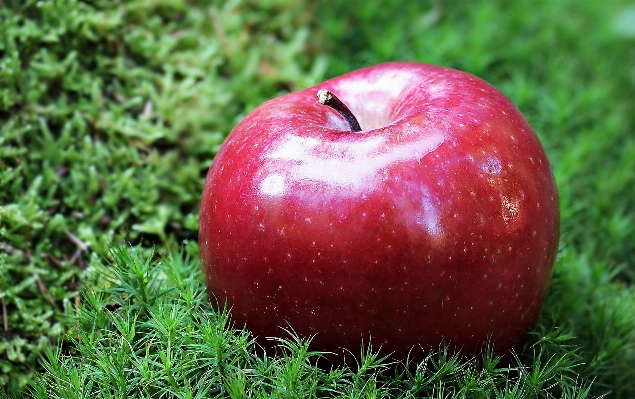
(111, 111)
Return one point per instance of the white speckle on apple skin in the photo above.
(492, 166)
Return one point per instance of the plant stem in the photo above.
(327, 98)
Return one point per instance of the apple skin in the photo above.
(438, 223)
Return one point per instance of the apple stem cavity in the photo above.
(325, 97)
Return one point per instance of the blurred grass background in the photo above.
(111, 111)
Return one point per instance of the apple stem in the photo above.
(325, 97)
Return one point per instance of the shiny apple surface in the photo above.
(438, 222)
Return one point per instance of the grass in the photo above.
(150, 331)
(111, 113)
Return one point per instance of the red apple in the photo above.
(437, 222)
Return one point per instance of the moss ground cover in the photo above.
(111, 111)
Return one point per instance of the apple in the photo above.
(404, 204)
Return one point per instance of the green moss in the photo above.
(111, 114)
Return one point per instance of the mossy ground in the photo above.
(111, 112)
